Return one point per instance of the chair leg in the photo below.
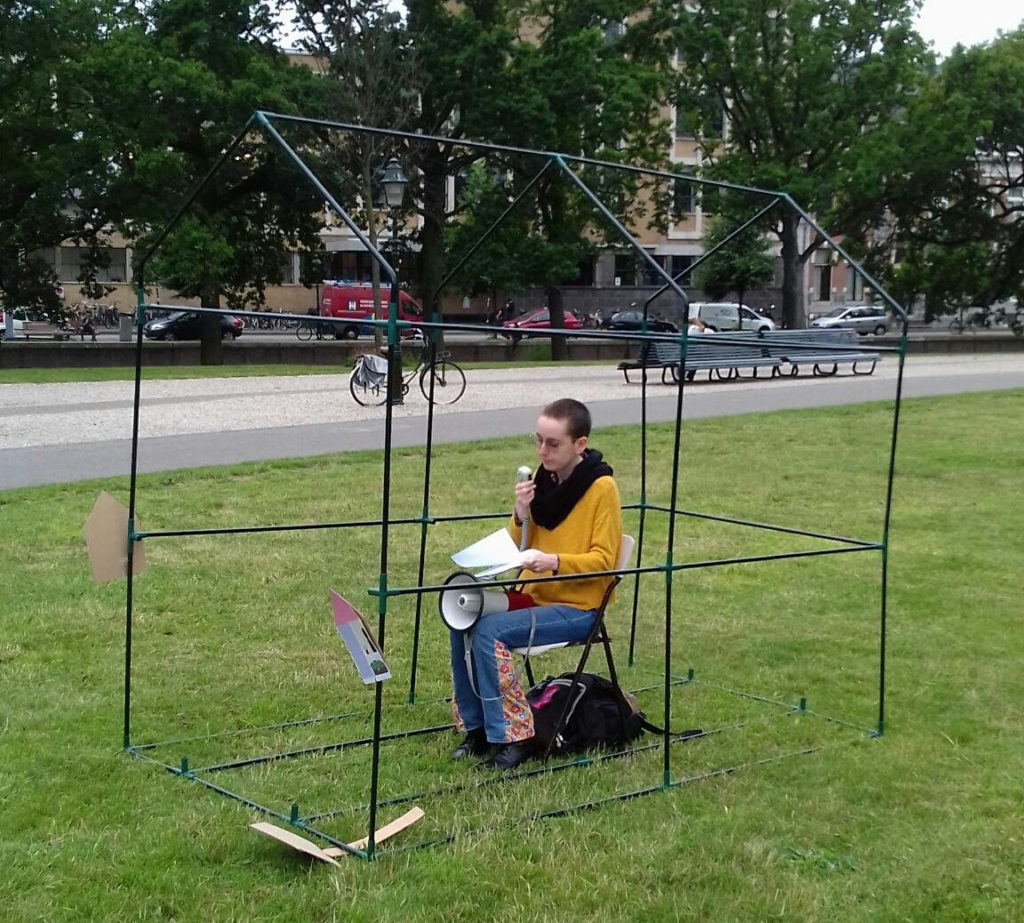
(529, 671)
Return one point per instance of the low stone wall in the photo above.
(334, 353)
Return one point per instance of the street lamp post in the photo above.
(393, 182)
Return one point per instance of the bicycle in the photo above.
(307, 329)
(369, 379)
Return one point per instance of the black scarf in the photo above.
(553, 501)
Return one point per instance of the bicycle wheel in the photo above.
(304, 332)
(956, 326)
(365, 391)
(449, 382)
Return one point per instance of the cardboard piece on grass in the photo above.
(106, 536)
(310, 848)
(388, 830)
(296, 842)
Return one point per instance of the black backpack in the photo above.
(599, 714)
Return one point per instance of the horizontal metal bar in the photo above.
(234, 732)
(291, 527)
(763, 525)
(649, 569)
(248, 802)
(325, 748)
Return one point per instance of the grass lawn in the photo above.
(233, 633)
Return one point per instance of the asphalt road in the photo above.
(68, 432)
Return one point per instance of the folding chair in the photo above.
(598, 634)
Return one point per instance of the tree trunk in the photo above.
(556, 311)
(379, 333)
(431, 259)
(210, 349)
(792, 302)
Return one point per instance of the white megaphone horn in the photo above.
(464, 600)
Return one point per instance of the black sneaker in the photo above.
(473, 744)
(508, 756)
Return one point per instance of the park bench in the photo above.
(45, 330)
(822, 349)
(721, 357)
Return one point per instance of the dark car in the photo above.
(633, 320)
(185, 325)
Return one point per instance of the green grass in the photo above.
(234, 633)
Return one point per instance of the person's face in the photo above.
(557, 450)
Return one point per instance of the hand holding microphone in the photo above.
(525, 488)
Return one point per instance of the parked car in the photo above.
(533, 322)
(633, 320)
(728, 315)
(864, 319)
(185, 325)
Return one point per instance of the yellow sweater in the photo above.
(588, 539)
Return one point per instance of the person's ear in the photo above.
(581, 444)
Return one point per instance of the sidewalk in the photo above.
(192, 422)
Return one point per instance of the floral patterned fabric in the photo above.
(514, 705)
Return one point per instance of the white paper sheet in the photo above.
(495, 552)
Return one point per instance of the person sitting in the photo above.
(572, 515)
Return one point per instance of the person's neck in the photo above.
(565, 473)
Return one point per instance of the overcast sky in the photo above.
(946, 22)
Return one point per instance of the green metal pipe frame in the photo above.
(267, 123)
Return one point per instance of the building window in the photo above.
(113, 264)
(683, 199)
(824, 282)
(679, 269)
(625, 269)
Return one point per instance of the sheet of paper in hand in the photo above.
(495, 552)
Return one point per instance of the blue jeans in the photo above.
(499, 703)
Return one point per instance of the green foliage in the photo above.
(740, 265)
(49, 161)
(957, 226)
(807, 88)
(204, 69)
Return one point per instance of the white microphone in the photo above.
(523, 474)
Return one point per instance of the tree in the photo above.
(955, 234)
(807, 89)
(740, 265)
(586, 84)
(198, 70)
(49, 163)
(370, 79)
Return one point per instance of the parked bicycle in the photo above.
(307, 329)
(369, 380)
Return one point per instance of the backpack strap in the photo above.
(679, 735)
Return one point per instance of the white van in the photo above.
(728, 315)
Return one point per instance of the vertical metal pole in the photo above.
(643, 512)
(428, 453)
(140, 320)
(669, 561)
(382, 599)
(883, 606)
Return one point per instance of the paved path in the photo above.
(56, 433)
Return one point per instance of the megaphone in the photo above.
(464, 600)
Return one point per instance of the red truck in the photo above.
(353, 301)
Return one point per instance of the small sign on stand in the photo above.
(362, 647)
